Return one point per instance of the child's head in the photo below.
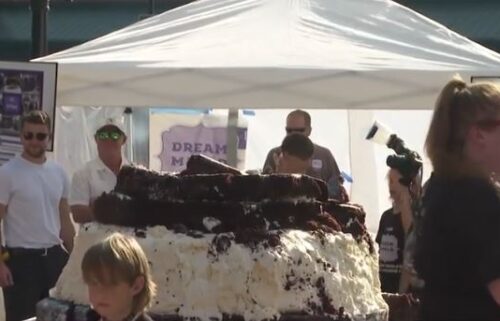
(118, 277)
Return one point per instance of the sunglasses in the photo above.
(38, 136)
(489, 124)
(106, 135)
(295, 130)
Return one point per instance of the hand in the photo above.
(343, 197)
(5, 276)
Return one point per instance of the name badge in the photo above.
(317, 163)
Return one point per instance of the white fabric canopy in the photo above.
(345, 54)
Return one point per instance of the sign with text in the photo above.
(175, 137)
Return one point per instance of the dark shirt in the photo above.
(458, 250)
(391, 241)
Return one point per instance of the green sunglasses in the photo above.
(105, 135)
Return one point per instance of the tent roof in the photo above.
(272, 54)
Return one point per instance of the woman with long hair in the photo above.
(458, 247)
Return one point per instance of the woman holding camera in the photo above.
(458, 247)
(393, 228)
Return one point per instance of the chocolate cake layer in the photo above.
(144, 184)
(351, 218)
(248, 220)
(140, 182)
(201, 164)
(213, 216)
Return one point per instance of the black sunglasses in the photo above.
(39, 136)
(295, 130)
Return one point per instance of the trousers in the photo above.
(34, 272)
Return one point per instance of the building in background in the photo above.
(475, 19)
(72, 22)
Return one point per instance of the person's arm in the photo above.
(67, 233)
(80, 198)
(332, 170)
(5, 194)
(269, 165)
(5, 275)
(405, 280)
(494, 288)
(82, 213)
(331, 175)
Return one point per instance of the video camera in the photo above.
(406, 161)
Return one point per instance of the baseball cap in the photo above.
(111, 121)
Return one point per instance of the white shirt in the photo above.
(32, 193)
(91, 181)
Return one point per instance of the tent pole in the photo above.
(232, 137)
(129, 121)
(39, 10)
(151, 7)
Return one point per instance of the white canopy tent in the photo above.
(325, 54)
(345, 54)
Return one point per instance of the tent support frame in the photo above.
(232, 137)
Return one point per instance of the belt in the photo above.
(27, 251)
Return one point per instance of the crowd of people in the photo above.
(439, 243)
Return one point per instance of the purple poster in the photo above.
(20, 91)
(180, 142)
(24, 86)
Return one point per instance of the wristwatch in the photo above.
(4, 254)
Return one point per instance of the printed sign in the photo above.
(181, 136)
(24, 86)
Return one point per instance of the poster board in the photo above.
(24, 86)
(176, 135)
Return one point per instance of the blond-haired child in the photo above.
(118, 277)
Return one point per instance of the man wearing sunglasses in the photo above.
(36, 221)
(98, 175)
(322, 164)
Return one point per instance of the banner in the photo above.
(24, 86)
(175, 136)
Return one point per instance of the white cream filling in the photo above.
(192, 282)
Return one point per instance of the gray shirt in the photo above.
(323, 166)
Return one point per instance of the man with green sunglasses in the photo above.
(98, 175)
(109, 134)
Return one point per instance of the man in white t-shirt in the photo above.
(98, 175)
(36, 221)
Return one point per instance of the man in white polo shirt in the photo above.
(98, 175)
(36, 221)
